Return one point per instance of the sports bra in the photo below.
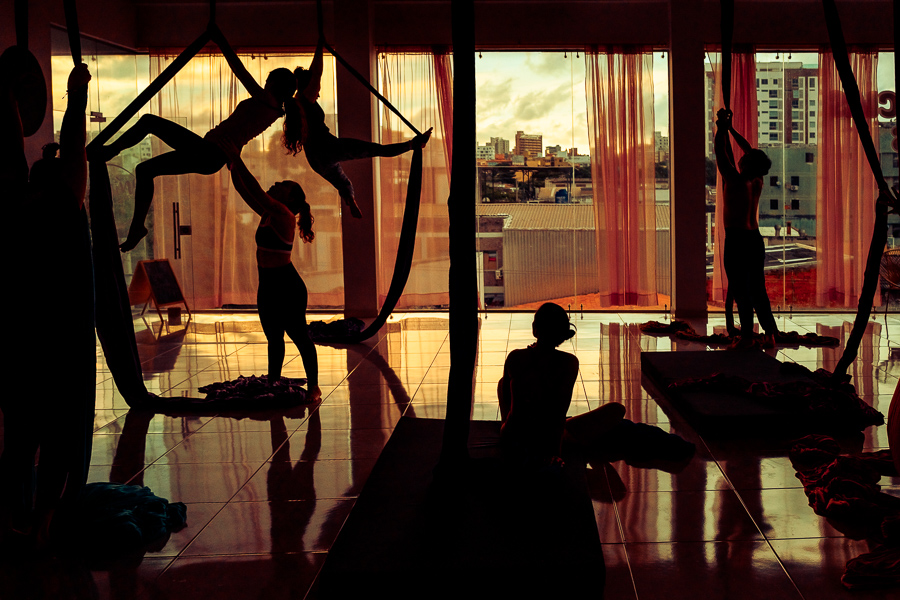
(268, 239)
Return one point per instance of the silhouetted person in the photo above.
(282, 296)
(51, 266)
(745, 251)
(324, 151)
(207, 155)
(535, 392)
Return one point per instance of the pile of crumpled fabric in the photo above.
(683, 330)
(845, 488)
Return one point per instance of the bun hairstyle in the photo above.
(551, 324)
(298, 205)
(281, 83)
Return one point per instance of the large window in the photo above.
(199, 222)
(536, 228)
(790, 209)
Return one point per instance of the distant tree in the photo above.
(662, 170)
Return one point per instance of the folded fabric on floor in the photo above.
(831, 403)
(341, 330)
(249, 392)
(111, 518)
(683, 330)
(845, 488)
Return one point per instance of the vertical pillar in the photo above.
(687, 139)
(355, 116)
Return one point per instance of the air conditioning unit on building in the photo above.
(793, 188)
(498, 274)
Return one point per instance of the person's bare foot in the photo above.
(314, 394)
(354, 207)
(135, 235)
(421, 140)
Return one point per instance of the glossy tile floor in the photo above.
(268, 495)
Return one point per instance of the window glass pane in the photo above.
(215, 229)
(535, 188)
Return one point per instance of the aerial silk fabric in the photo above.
(418, 82)
(218, 262)
(746, 122)
(619, 86)
(845, 189)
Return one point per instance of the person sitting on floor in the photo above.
(536, 390)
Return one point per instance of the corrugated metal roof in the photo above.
(543, 217)
(556, 217)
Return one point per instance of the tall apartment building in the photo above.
(786, 95)
(501, 146)
(529, 144)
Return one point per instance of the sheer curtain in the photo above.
(218, 262)
(619, 85)
(419, 84)
(746, 122)
(845, 187)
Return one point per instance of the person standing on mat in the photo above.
(324, 151)
(745, 250)
(281, 297)
(535, 392)
(208, 154)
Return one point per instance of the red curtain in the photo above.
(419, 84)
(845, 187)
(746, 122)
(619, 86)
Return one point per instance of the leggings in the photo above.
(745, 254)
(281, 300)
(325, 154)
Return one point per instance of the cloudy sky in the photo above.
(543, 92)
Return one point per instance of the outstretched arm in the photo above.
(316, 68)
(72, 134)
(724, 155)
(250, 190)
(240, 71)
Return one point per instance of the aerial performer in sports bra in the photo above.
(744, 247)
(324, 151)
(207, 155)
(281, 297)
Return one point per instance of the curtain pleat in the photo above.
(619, 86)
(845, 187)
(419, 84)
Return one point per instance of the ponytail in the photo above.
(298, 205)
(305, 223)
(294, 127)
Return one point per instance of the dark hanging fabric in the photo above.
(879, 235)
(727, 26)
(462, 277)
(402, 266)
(115, 327)
(72, 30)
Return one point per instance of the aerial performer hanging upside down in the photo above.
(281, 296)
(208, 154)
(744, 248)
(324, 151)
